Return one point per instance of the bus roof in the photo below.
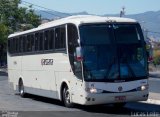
(77, 20)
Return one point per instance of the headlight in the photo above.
(94, 90)
(142, 88)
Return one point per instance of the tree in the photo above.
(14, 18)
(17, 15)
(3, 33)
(156, 56)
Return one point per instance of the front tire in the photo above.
(67, 97)
(21, 89)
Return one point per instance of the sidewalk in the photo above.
(154, 98)
(154, 74)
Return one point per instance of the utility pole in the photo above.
(122, 12)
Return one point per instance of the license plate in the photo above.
(120, 98)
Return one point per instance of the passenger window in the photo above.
(57, 38)
(63, 37)
(32, 42)
(36, 42)
(40, 41)
(24, 44)
(46, 40)
(10, 46)
(72, 44)
(20, 44)
(60, 38)
(51, 39)
(17, 45)
(28, 43)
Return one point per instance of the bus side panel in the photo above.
(64, 77)
(62, 71)
(38, 79)
(14, 70)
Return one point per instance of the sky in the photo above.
(99, 7)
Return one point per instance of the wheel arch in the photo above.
(63, 85)
(20, 79)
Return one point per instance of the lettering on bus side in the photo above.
(46, 62)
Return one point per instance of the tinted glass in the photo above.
(112, 52)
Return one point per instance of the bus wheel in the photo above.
(66, 98)
(21, 88)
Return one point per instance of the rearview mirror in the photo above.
(79, 56)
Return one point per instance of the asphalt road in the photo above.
(35, 106)
(154, 85)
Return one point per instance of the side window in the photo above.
(20, 44)
(13, 45)
(63, 37)
(51, 39)
(40, 39)
(46, 40)
(36, 41)
(60, 37)
(72, 44)
(28, 43)
(24, 43)
(9, 46)
(32, 42)
(17, 45)
(57, 38)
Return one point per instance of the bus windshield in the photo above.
(113, 52)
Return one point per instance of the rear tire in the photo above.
(66, 97)
(21, 89)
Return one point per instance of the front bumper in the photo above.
(107, 98)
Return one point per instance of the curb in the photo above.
(152, 101)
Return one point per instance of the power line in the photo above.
(39, 6)
(45, 8)
(52, 12)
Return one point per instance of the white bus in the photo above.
(86, 60)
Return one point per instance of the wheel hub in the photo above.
(67, 96)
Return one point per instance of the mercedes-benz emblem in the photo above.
(120, 89)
